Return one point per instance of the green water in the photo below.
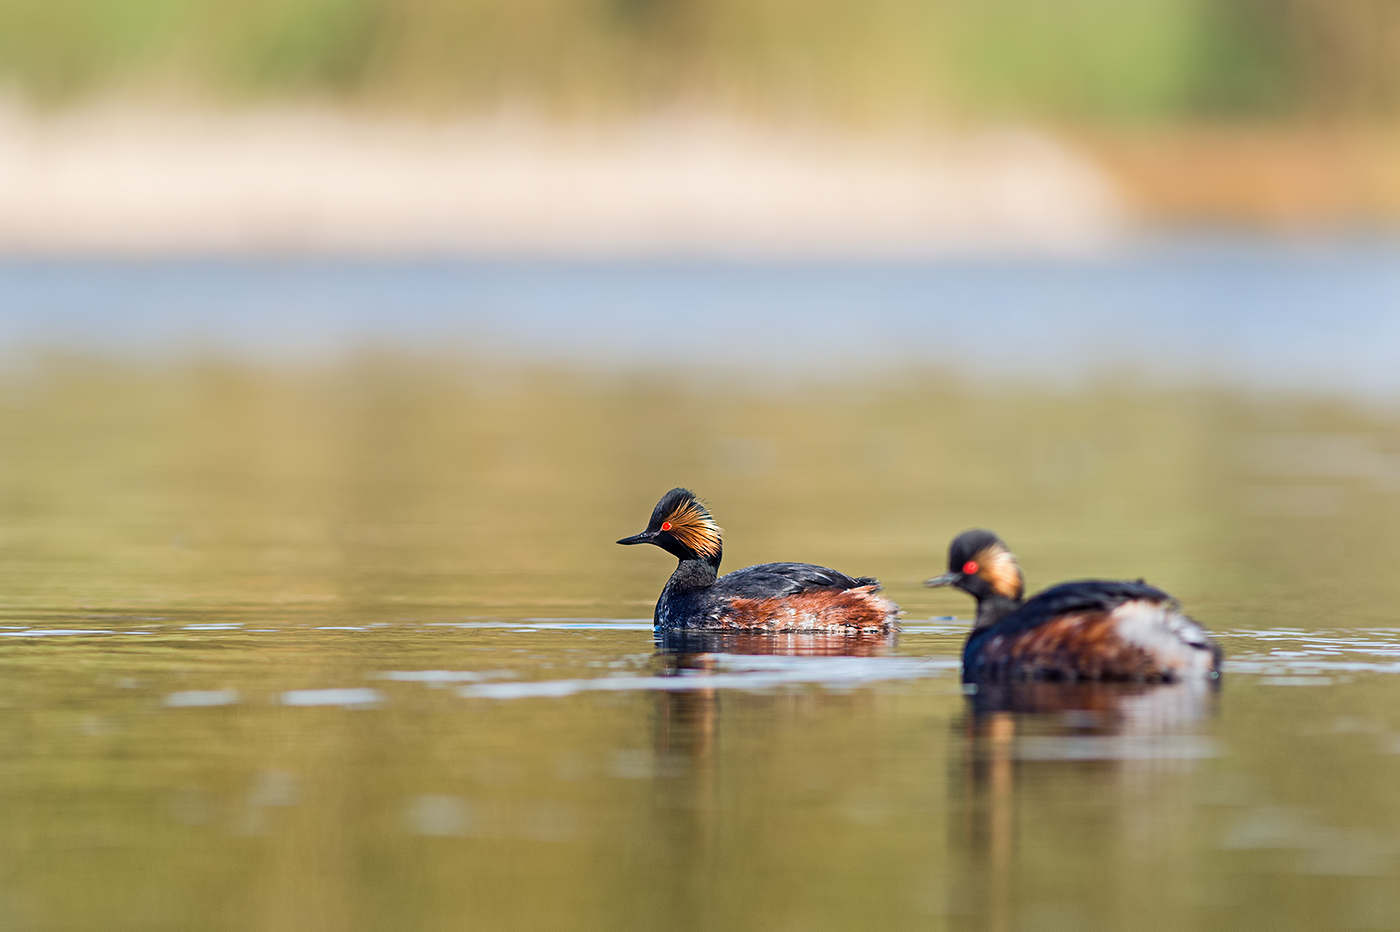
(351, 648)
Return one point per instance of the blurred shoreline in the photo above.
(1290, 177)
(129, 181)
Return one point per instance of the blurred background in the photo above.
(638, 125)
(339, 339)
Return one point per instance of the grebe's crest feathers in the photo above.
(981, 553)
(681, 514)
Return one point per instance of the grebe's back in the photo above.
(1093, 630)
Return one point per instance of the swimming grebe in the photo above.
(1087, 630)
(767, 597)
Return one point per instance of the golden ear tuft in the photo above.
(692, 525)
(998, 567)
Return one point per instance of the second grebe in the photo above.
(1088, 630)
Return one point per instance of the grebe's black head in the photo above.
(682, 526)
(982, 566)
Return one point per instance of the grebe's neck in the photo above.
(992, 608)
(694, 572)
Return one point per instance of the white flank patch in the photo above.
(1166, 634)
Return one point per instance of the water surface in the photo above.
(1314, 314)
(344, 643)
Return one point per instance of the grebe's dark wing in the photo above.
(1162, 612)
(1085, 595)
(776, 580)
(1093, 629)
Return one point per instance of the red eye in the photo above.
(971, 567)
(665, 525)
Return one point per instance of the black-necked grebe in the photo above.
(767, 597)
(1087, 630)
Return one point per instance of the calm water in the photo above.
(346, 644)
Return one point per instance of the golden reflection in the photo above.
(696, 779)
(694, 650)
(688, 720)
(1095, 747)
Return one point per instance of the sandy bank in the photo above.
(122, 181)
(1282, 177)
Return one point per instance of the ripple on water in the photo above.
(354, 697)
(555, 624)
(443, 677)
(1291, 657)
(738, 671)
(201, 698)
(58, 632)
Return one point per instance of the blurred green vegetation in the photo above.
(1059, 59)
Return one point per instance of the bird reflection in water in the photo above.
(1107, 751)
(687, 731)
(687, 720)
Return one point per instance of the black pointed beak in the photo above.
(646, 537)
(947, 579)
